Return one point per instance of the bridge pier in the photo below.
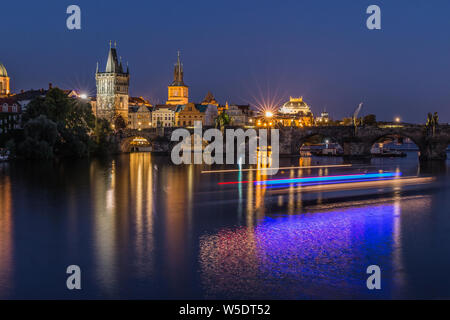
(433, 151)
(356, 149)
(288, 146)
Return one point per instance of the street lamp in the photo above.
(269, 114)
(397, 119)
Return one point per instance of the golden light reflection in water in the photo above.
(105, 232)
(264, 161)
(178, 194)
(6, 248)
(141, 186)
(124, 185)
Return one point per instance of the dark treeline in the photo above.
(58, 126)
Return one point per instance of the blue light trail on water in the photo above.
(337, 179)
(288, 185)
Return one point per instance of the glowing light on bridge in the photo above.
(267, 98)
(139, 141)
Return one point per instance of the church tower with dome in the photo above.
(295, 106)
(112, 88)
(4, 82)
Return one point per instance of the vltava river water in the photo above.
(139, 227)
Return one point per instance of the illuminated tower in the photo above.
(112, 88)
(4, 81)
(178, 91)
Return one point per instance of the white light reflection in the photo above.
(104, 226)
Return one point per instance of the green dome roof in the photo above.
(3, 72)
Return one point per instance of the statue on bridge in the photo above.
(432, 122)
(355, 118)
(435, 119)
(429, 119)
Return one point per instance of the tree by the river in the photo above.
(222, 120)
(58, 126)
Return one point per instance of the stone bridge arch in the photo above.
(432, 146)
(370, 141)
(291, 140)
(127, 144)
(157, 139)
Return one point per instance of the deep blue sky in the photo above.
(244, 51)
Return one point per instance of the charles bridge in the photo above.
(432, 142)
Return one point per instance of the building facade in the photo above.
(187, 114)
(4, 82)
(295, 120)
(238, 118)
(211, 113)
(295, 106)
(139, 117)
(293, 113)
(178, 92)
(112, 89)
(139, 113)
(10, 115)
(323, 119)
(163, 116)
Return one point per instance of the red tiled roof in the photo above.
(8, 100)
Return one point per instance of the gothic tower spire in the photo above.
(113, 63)
(178, 73)
(179, 63)
(112, 88)
(178, 91)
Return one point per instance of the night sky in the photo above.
(244, 51)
